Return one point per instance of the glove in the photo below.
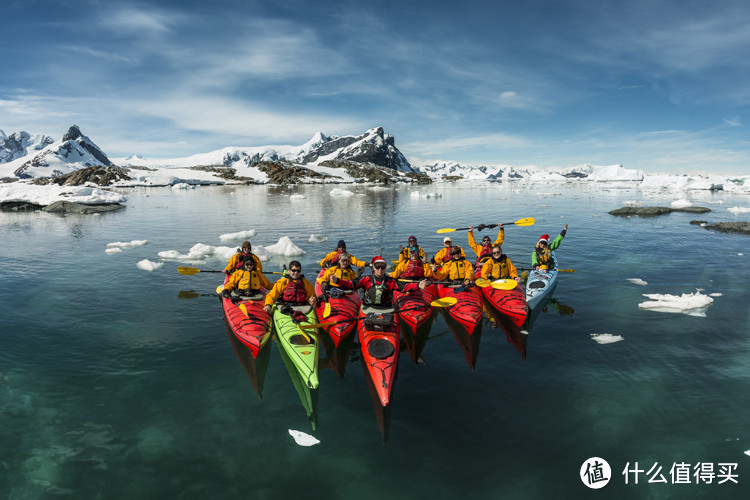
(226, 294)
(367, 264)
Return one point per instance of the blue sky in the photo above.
(655, 85)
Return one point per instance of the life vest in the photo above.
(544, 258)
(458, 269)
(335, 258)
(346, 274)
(378, 294)
(447, 254)
(248, 280)
(295, 292)
(414, 269)
(484, 255)
(499, 268)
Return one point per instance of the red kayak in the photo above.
(378, 339)
(468, 309)
(415, 316)
(344, 309)
(253, 330)
(509, 303)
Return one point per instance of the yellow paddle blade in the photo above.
(506, 284)
(327, 310)
(528, 221)
(188, 271)
(445, 230)
(219, 289)
(187, 294)
(244, 310)
(309, 341)
(482, 282)
(444, 302)
(566, 270)
(313, 326)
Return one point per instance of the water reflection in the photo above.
(255, 368)
(308, 397)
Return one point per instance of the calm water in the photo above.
(112, 387)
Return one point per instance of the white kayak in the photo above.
(540, 285)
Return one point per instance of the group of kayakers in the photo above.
(246, 276)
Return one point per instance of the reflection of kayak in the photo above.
(307, 395)
(539, 285)
(467, 311)
(301, 346)
(378, 339)
(344, 309)
(253, 330)
(255, 367)
(416, 318)
(508, 303)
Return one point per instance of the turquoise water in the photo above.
(112, 387)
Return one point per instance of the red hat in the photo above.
(377, 259)
(412, 238)
(544, 238)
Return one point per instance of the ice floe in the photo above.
(317, 239)
(182, 185)
(123, 245)
(692, 304)
(200, 251)
(739, 210)
(606, 338)
(341, 193)
(148, 265)
(303, 439)
(637, 281)
(46, 195)
(285, 247)
(240, 235)
(297, 197)
(683, 203)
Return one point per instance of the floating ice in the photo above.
(606, 338)
(682, 203)
(113, 250)
(739, 210)
(340, 193)
(199, 252)
(149, 266)
(637, 281)
(303, 439)
(240, 235)
(285, 247)
(183, 185)
(716, 294)
(46, 195)
(317, 239)
(417, 194)
(297, 197)
(127, 244)
(692, 304)
(747, 452)
(632, 203)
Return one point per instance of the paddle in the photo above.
(444, 302)
(191, 294)
(558, 270)
(528, 221)
(297, 323)
(502, 284)
(189, 271)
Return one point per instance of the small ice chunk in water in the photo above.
(303, 439)
(606, 338)
(637, 281)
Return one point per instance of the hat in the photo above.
(544, 238)
(377, 259)
(447, 239)
(412, 238)
(341, 243)
(246, 244)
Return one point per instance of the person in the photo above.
(456, 269)
(246, 281)
(444, 254)
(542, 256)
(329, 282)
(484, 251)
(403, 255)
(413, 268)
(244, 252)
(333, 257)
(293, 289)
(378, 288)
(499, 266)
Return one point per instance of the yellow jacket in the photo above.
(347, 274)
(232, 266)
(278, 290)
(478, 247)
(460, 269)
(329, 256)
(442, 254)
(402, 266)
(499, 270)
(242, 279)
(404, 254)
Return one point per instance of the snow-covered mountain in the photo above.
(21, 144)
(73, 152)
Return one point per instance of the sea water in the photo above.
(113, 387)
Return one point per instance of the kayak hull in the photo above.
(380, 346)
(415, 317)
(253, 330)
(539, 286)
(344, 311)
(467, 311)
(301, 346)
(508, 303)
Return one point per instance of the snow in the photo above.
(637, 281)
(341, 193)
(606, 338)
(692, 304)
(200, 252)
(125, 245)
(149, 266)
(317, 239)
(46, 195)
(238, 236)
(739, 210)
(683, 203)
(297, 197)
(303, 439)
(285, 247)
(615, 173)
(182, 185)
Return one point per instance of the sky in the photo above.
(657, 85)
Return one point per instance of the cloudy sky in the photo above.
(659, 85)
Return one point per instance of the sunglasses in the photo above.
(455, 253)
(496, 253)
(379, 266)
(294, 270)
(448, 243)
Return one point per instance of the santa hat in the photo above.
(378, 259)
(544, 238)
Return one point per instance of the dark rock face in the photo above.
(742, 227)
(653, 211)
(74, 134)
(280, 174)
(80, 208)
(101, 176)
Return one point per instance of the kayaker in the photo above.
(499, 266)
(444, 254)
(456, 269)
(413, 268)
(403, 255)
(247, 281)
(333, 257)
(244, 252)
(378, 288)
(293, 289)
(542, 256)
(329, 282)
(484, 251)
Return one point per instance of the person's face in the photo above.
(413, 255)
(341, 248)
(455, 254)
(542, 244)
(486, 241)
(246, 250)
(249, 265)
(344, 263)
(294, 272)
(448, 243)
(496, 253)
(379, 269)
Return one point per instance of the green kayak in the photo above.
(301, 346)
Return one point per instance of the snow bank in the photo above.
(240, 235)
(297, 197)
(614, 173)
(285, 247)
(606, 338)
(692, 304)
(46, 195)
(182, 185)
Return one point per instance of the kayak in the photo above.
(253, 330)
(539, 285)
(344, 312)
(378, 339)
(415, 316)
(467, 311)
(255, 367)
(301, 346)
(510, 304)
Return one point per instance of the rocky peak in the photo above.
(72, 134)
